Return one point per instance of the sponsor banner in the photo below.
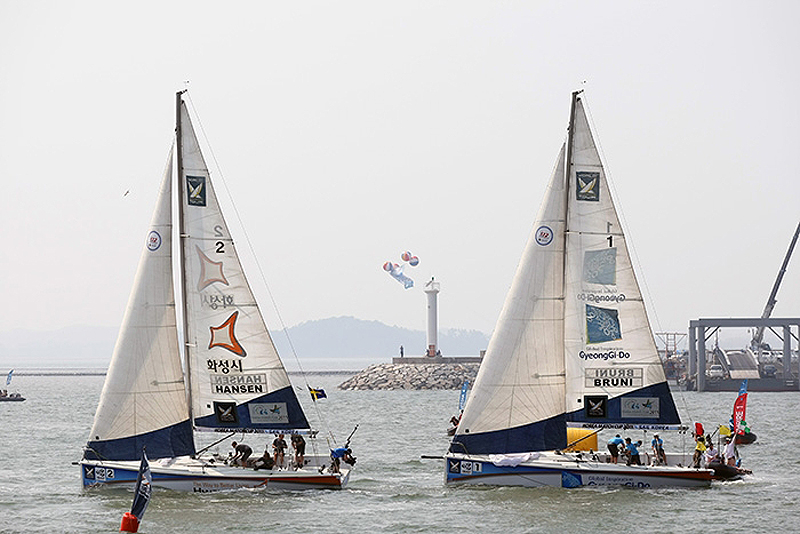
(268, 413)
(239, 384)
(614, 377)
(639, 407)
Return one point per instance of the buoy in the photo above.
(129, 523)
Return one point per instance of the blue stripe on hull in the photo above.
(297, 419)
(175, 440)
(542, 436)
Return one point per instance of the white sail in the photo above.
(143, 402)
(237, 378)
(610, 350)
(573, 345)
(521, 379)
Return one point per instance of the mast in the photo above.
(567, 174)
(182, 255)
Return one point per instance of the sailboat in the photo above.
(5, 396)
(572, 348)
(226, 378)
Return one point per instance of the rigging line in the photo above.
(258, 264)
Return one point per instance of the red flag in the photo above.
(739, 408)
(698, 429)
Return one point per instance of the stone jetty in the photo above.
(414, 376)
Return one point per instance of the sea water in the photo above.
(391, 489)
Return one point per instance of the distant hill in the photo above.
(348, 337)
(335, 338)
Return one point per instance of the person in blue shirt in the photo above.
(658, 450)
(614, 445)
(633, 452)
(339, 454)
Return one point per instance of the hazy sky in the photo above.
(348, 132)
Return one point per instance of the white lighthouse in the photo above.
(432, 290)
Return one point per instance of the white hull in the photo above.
(549, 469)
(201, 476)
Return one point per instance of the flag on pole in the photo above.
(317, 393)
(739, 408)
(141, 497)
(8, 380)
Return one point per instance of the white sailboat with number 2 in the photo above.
(228, 379)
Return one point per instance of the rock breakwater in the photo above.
(406, 376)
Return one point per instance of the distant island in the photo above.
(335, 338)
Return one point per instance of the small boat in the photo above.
(234, 380)
(745, 438)
(727, 472)
(5, 396)
(573, 347)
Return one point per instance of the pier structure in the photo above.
(700, 330)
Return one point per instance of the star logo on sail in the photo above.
(588, 186)
(223, 336)
(210, 271)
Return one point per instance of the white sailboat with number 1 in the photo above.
(572, 348)
(229, 379)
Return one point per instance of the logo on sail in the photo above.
(602, 324)
(544, 236)
(223, 336)
(595, 406)
(634, 407)
(226, 413)
(588, 186)
(268, 413)
(210, 271)
(196, 190)
(153, 241)
(600, 266)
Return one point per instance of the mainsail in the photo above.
(237, 379)
(143, 402)
(573, 345)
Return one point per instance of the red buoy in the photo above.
(129, 523)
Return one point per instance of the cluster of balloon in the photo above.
(396, 270)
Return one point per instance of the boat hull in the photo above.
(186, 474)
(12, 399)
(567, 472)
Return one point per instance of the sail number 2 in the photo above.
(220, 246)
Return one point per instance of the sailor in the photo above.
(699, 450)
(730, 452)
(614, 445)
(278, 448)
(658, 450)
(712, 454)
(243, 452)
(299, 446)
(633, 452)
(339, 454)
